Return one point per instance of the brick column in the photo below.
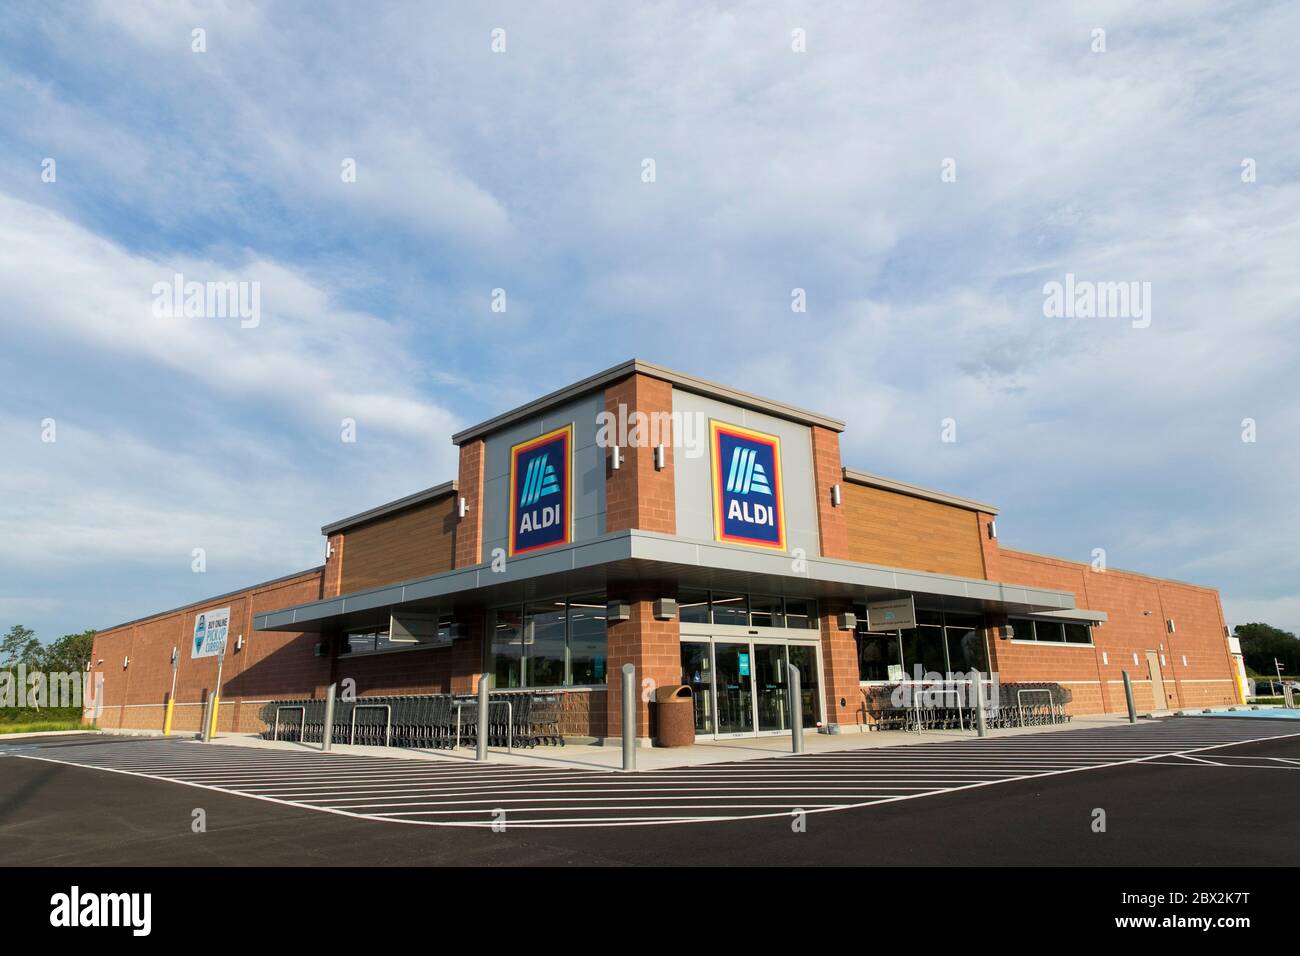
(469, 530)
(332, 581)
(988, 547)
(840, 663)
(653, 647)
(637, 495)
(467, 653)
(832, 526)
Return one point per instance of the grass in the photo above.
(27, 720)
(43, 727)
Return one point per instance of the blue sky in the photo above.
(522, 170)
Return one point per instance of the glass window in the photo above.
(765, 611)
(730, 609)
(924, 646)
(693, 607)
(880, 656)
(544, 643)
(801, 613)
(1022, 629)
(966, 650)
(1049, 631)
(362, 641)
(588, 641)
(507, 649)
(1078, 633)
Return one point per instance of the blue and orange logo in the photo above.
(747, 504)
(541, 499)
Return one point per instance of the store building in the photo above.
(700, 533)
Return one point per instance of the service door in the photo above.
(1157, 682)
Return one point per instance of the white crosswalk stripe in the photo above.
(457, 792)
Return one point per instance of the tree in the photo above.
(1262, 643)
(20, 646)
(69, 653)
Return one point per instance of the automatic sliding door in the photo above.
(697, 670)
(734, 683)
(770, 687)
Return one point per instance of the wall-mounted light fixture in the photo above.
(126, 662)
(462, 507)
(837, 496)
(665, 609)
(661, 457)
(993, 530)
(848, 620)
(615, 458)
(1169, 625)
(1105, 658)
(1135, 659)
(329, 549)
(617, 611)
(239, 643)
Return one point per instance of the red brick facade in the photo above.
(880, 524)
(637, 495)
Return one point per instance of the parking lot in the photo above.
(1173, 791)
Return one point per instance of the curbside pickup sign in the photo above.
(210, 629)
(541, 492)
(747, 504)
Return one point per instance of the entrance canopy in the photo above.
(626, 557)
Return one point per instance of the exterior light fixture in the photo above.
(462, 507)
(126, 662)
(661, 457)
(617, 611)
(1169, 625)
(615, 458)
(848, 620)
(993, 530)
(239, 643)
(837, 496)
(1105, 658)
(665, 608)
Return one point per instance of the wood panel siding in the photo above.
(902, 531)
(410, 544)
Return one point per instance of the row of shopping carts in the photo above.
(426, 721)
(950, 705)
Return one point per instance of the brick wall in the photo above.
(469, 530)
(1094, 673)
(637, 495)
(271, 663)
(832, 526)
(653, 647)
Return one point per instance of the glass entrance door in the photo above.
(741, 688)
(733, 684)
(770, 687)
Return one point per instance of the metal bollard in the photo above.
(484, 681)
(1128, 697)
(629, 717)
(981, 724)
(795, 695)
(327, 734)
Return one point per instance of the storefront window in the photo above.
(588, 642)
(555, 643)
(730, 609)
(1078, 634)
(765, 611)
(1050, 632)
(801, 613)
(693, 607)
(944, 643)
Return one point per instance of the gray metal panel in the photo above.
(692, 475)
(588, 467)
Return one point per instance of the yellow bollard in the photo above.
(212, 727)
(167, 719)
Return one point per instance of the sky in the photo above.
(923, 172)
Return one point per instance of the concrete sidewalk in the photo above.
(604, 757)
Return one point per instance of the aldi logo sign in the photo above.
(210, 629)
(540, 492)
(747, 503)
